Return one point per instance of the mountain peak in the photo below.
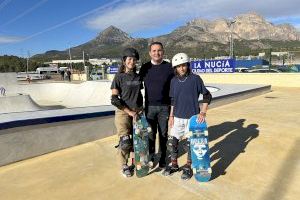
(112, 35)
(251, 16)
(112, 28)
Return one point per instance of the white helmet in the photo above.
(179, 59)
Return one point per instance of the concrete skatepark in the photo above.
(254, 155)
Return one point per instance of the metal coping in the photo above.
(46, 120)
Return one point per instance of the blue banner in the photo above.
(213, 66)
(113, 69)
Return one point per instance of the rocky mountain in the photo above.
(252, 26)
(109, 43)
(249, 26)
(250, 31)
(112, 35)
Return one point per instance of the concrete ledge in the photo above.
(28, 134)
(29, 141)
(18, 119)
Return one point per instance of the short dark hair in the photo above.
(156, 43)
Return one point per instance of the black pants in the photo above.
(157, 117)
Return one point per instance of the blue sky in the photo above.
(36, 26)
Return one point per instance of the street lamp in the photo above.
(70, 58)
(231, 38)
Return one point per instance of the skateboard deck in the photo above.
(141, 145)
(199, 150)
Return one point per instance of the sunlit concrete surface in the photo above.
(274, 79)
(255, 146)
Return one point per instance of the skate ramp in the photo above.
(97, 93)
(9, 82)
(69, 95)
(8, 79)
(55, 94)
(18, 103)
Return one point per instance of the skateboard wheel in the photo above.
(206, 133)
(137, 131)
(209, 170)
(150, 164)
(194, 170)
(149, 130)
(189, 134)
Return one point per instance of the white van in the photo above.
(47, 70)
(23, 76)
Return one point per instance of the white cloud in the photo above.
(138, 15)
(134, 16)
(9, 39)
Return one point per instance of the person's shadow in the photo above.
(228, 149)
(214, 132)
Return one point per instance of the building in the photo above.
(93, 61)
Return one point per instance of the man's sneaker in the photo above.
(162, 165)
(170, 169)
(151, 163)
(126, 171)
(187, 173)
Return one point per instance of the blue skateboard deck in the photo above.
(199, 150)
(141, 145)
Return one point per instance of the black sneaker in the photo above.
(187, 173)
(151, 163)
(126, 171)
(170, 169)
(162, 164)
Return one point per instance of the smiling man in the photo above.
(157, 75)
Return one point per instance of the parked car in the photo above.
(292, 69)
(96, 76)
(241, 69)
(264, 71)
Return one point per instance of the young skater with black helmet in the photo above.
(128, 100)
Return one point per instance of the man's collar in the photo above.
(152, 62)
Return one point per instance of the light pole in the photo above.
(231, 39)
(70, 57)
(27, 62)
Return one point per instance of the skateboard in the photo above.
(141, 132)
(199, 150)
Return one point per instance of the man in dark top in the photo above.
(157, 75)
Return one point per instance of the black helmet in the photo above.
(130, 52)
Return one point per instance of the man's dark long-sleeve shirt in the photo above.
(157, 80)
